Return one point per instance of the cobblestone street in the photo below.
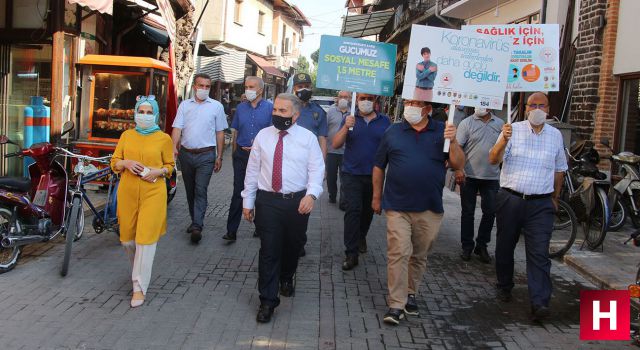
(205, 296)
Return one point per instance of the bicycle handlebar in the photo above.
(66, 153)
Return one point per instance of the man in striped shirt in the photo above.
(533, 165)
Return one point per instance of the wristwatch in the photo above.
(313, 197)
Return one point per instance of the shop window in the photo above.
(113, 103)
(630, 116)
(30, 14)
(30, 76)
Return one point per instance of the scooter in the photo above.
(627, 190)
(36, 209)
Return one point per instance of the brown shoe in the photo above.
(350, 262)
(196, 235)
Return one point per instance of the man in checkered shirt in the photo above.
(533, 165)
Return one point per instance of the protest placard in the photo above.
(535, 61)
(456, 67)
(356, 65)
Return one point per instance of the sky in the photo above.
(325, 17)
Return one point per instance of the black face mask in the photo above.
(304, 94)
(281, 123)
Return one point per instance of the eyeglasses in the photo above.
(145, 98)
(536, 105)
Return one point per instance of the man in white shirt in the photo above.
(198, 141)
(283, 179)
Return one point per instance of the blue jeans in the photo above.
(468, 195)
(240, 160)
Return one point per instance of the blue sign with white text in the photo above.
(356, 65)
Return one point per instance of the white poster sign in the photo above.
(456, 67)
(535, 61)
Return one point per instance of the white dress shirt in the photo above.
(200, 122)
(531, 160)
(302, 163)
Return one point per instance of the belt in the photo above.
(197, 150)
(424, 88)
(292, 195)
(527, 196)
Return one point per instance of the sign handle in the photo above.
(353, 107)
(509, 107)
(452, 111)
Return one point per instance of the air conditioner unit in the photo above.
(271, 50)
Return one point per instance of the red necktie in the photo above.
(276, 175)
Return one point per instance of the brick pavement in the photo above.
(205, 297)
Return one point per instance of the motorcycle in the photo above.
(627, 190)
(36, 209)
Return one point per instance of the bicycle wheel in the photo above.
(565, 228)
(596, 225)
(618, 216)
(70, 234)
(79, 224)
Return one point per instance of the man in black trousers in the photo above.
(283, 179)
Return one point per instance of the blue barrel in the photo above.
(36, 126)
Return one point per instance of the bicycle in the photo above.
(78, 195)
(565, 227)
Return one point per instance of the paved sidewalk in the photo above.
(205, 297)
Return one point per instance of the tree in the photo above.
(314, 57)
(303, 65)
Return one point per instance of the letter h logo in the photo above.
(605, 315)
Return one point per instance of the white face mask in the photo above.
(537, 117)
(145, 121)
(365, 107)
(343, 103)
(202, 94)
(412, 114)
(481, 112)
(250, 94)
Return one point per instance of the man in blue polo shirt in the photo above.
(361, 134)
(412, 155)
(312, 116)
(250, 117)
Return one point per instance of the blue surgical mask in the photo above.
(145, 121)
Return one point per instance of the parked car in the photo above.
(324, 101)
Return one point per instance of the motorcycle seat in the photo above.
(21, 184)
(627, 157)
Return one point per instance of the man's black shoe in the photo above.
(230, 236)
(332, 200)
(482, 254)
(196, 235)
(287, 289)
(362, 246)
(393, 316)
(264, 313)
(504, 295)
(350, 262)
(255, 233)
(540, 312)
(411, 307)
(302, 253)
(466, 255)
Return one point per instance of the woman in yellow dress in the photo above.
(144, 157)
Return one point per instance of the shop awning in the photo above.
(156, 36)
(227, 67)
(358, 26)
(102, 6)
(266, 66)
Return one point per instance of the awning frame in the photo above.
(374, 22)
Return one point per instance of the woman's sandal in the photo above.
(137, 299)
